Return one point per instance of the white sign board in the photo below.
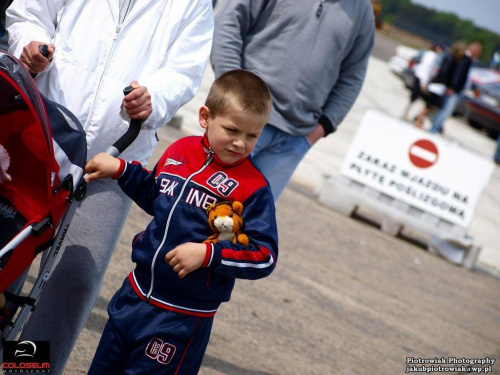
(419, 168)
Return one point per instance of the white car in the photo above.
(402, 58)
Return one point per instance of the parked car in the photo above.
(402, 58)
(408, 73)
(482, 104)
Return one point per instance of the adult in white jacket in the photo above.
(96, 48)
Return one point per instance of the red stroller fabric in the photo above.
(33, 172)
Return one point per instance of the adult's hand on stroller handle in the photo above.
(36, 56)
(137, 103)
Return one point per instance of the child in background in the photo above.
(160, 320)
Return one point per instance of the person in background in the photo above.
(312, 55)
(442, 79)
(97, 48)
(457, 75)
(425, 70)
(496, 156)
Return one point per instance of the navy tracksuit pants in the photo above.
(143, 339)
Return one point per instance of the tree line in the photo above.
(435, 25)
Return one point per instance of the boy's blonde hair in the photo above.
(239, 90)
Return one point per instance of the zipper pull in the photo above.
(320, 9)
(117, 32)
(210, 153)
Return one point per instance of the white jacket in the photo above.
(428, 67)
(163, 44)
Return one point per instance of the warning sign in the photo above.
(421, 169)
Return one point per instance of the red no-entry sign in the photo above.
(423, 153)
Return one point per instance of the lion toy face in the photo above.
(226, 222)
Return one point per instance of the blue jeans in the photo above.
(277, 154)
(496, 157)
(449, 105)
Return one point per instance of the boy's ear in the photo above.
(203, 117)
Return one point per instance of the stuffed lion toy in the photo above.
(226, 222)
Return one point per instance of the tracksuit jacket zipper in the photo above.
(167, 225)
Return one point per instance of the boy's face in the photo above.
(233, 136)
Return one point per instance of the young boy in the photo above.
(161, 318)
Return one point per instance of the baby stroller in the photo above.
(43, 152)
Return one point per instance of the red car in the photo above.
(482, 101)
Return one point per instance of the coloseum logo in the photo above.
(26, 356)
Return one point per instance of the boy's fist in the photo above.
(186, 258)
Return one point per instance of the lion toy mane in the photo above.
(226, 222)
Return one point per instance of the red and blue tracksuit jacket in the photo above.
(185, 181)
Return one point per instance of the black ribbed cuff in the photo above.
(326, 124)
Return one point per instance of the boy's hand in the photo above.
(138, 102)
(101, 166)
(186, 258)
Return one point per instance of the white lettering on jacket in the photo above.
(200, 199)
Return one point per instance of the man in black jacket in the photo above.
(456, 85)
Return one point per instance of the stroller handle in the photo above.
(130, 135)
(44, 50)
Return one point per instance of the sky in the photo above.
(484, 13)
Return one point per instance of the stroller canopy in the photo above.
(43, 141)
